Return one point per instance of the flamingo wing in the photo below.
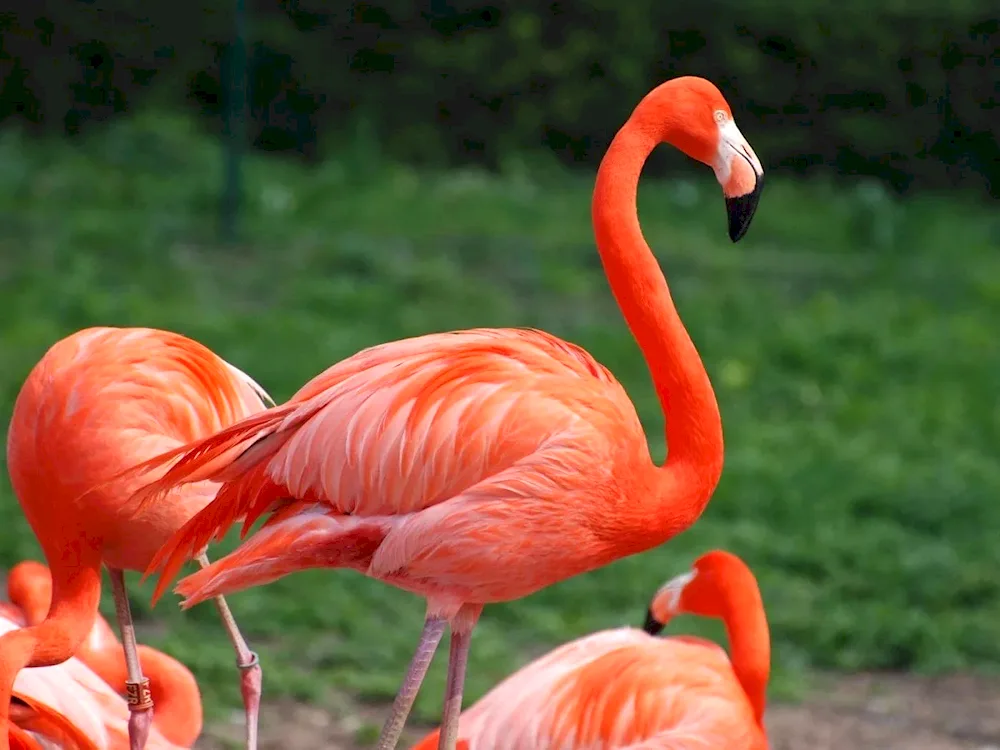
(615, 690)
(400, 431)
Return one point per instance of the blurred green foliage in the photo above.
(851, 339)
(903, 91)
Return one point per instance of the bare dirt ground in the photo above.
(861, 712)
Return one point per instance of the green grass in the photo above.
(851, 340)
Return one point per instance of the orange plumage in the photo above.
(626, 688)
(175, 692)
(99, 402)
(70, 706)
(480, 466)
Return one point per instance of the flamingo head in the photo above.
(691, 114)
(696, 592)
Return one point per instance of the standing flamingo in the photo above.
(68, 701)
(172, 687)
(625, 688)
(480, 466)
(98, 402)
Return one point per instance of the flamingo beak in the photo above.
(666, 603)
(652, 625)
(742, 178)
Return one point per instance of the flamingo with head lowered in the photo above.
(97, 403)
(626, 688)
(480, 466)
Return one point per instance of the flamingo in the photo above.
(71, 706)
(626, 688)
(480, 466)
(38, 727)
(173, 688)
(99, 401)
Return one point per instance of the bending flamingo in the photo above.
(626, 688)
(63, 703)
(172, 687)
(480, 466)
(98, 402)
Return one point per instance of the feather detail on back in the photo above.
(400, 428)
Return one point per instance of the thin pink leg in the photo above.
(458, 660)
(251, 676)
(140, 701)
(429, 639)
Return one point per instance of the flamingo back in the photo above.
(613, 690)
(411, 425)
(102, 400)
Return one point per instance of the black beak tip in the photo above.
(652, 625)
(741, 211)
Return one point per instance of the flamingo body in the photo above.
(612, 690)
(472, 467)
(99, 402)
(626, 689)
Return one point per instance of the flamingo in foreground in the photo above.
(178, 716)
(98, 402)
(480, 466)
(69, 706)
(625, 688)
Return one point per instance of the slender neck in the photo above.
(177, 700)
(77, 592)
(749, 637)
(693, 423)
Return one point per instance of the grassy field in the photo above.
(851, 340)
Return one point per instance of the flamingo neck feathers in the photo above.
(680, 490)
(747, 632)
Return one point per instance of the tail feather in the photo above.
(211, 458)
(33, 716)
(303, 536)
(237, 457)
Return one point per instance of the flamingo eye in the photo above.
(720, 116)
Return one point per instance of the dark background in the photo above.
(905, 92)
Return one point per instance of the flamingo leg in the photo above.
(458, 660)
(251, 675)
(429, 639)
(140, 701)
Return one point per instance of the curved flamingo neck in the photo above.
(746, 628)
(178, 713)
(77, 591)
(693, 422)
